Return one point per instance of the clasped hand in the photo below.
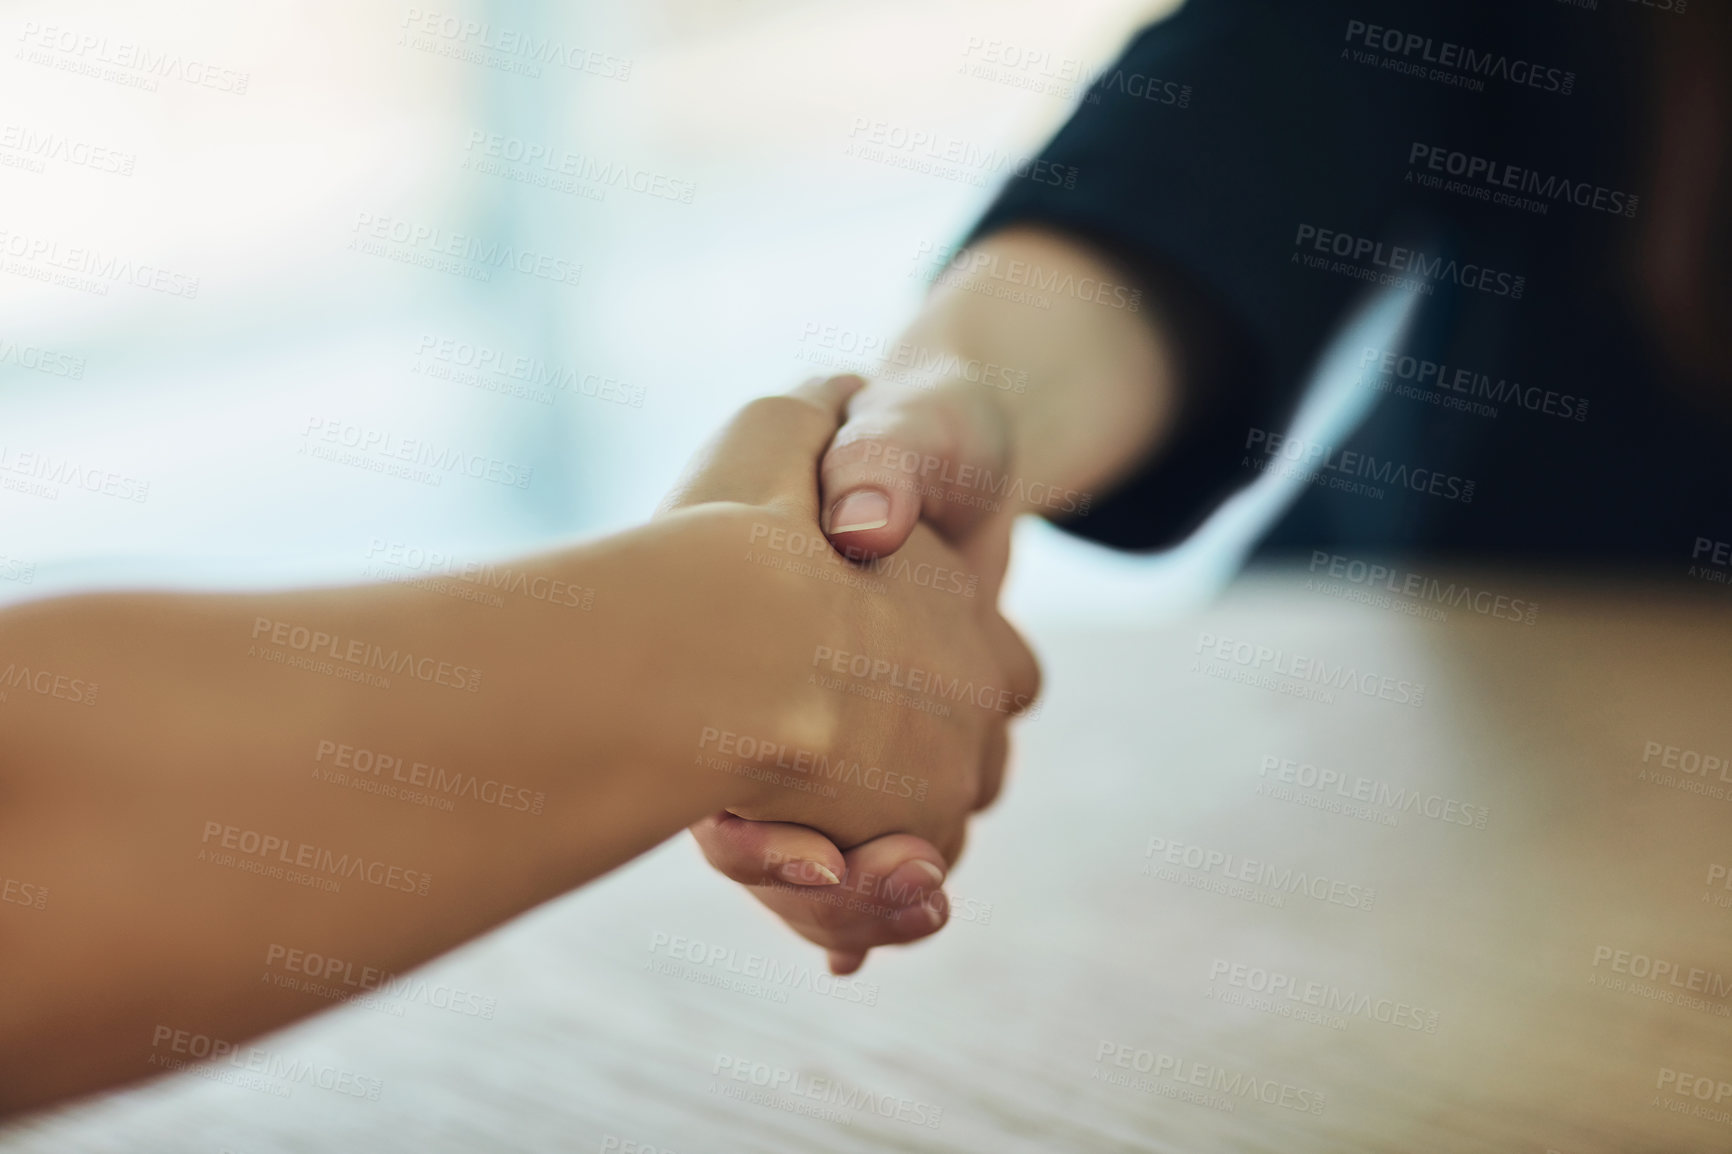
(869, 718)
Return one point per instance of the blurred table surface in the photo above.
(1391, 976)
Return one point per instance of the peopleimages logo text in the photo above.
(1308, 667)
(1390, 365)
(1319, 458)
(1512, 178)
(261, 847)
(355, 651)
(1447, 54)
(1398, 259)
(1407, 583)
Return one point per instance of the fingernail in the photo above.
(807, 873)
(860, 510)
(913, 881)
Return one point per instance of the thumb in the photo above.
(757, 853)
(903, 457)
(769, 451)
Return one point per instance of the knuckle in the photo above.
(989, 791)
(783, 413)
(868, 457)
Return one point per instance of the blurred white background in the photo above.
(358, 114)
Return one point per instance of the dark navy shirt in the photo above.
(1266, 165)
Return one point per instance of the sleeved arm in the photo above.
(1198, 155)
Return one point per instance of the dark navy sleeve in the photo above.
(1198, 156)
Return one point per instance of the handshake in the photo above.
(801, 659)
(868, 680)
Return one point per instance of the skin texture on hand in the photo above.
(1026, 410)
(1055, 404)
(883, 892)
(826, 644)
(184, 824)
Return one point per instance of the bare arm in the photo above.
(1010, 404)
(179, 772)
(203, 808)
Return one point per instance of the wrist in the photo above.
(571, 710)
(718, 610)
(1092, 388)
(663, 605)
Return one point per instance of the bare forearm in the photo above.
(208, 784)
(371, 774)
(1087, 386)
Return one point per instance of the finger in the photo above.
(890, 894)
(953, 844)
(869, 504)
(756, 853)
(845, 962)
(992, 762)
(898, 460)
(1020, 668)
(769, 450)
(1021, 673)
